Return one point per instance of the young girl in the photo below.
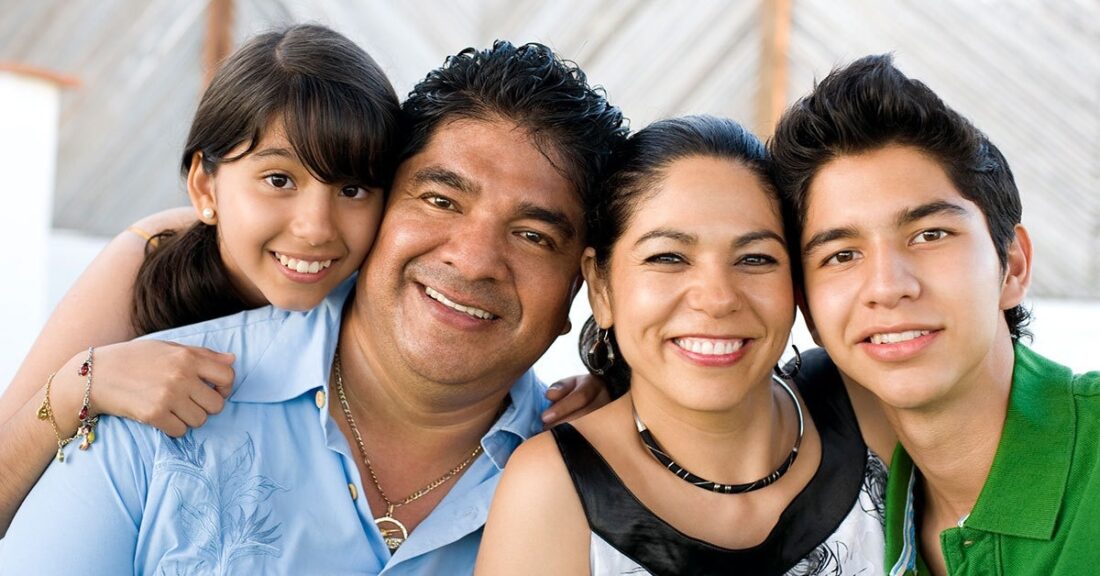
(288, 156)
(709, 464)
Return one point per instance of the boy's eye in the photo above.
(438, 201)
(926, 236)
(842, 257)
(278, 180)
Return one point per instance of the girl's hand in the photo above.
(169, 386)
(574, 397)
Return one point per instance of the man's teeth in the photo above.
(709, 347)
(303, 266)
(895, 337)
(475, 312)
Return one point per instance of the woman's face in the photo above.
(699, 285)
(286, 237)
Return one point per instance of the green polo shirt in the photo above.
(1039, 511)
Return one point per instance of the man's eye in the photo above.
(278, 180)
(535, 238)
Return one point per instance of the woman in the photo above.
(709, 464)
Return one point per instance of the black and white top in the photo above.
(834, 526)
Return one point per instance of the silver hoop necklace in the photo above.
(661, 456)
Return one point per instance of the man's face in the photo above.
(474, 266)
(902, 279)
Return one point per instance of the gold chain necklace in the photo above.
(393, 531)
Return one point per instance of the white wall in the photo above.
(28, 152)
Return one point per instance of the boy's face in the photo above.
(902, 278)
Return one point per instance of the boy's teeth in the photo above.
(709, 347)
(438, 297)
(303, 266)
(895, 337)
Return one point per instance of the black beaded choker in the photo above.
(679, 471)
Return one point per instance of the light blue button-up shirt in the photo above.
(261, 488)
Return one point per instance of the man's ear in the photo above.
(1017, 277)
(598, 296)
(804, 307)
(573, 290)
(200, 188)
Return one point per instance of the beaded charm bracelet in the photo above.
(86, 427)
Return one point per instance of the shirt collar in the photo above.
(520, 420)
(293, 355)
(1026, 484)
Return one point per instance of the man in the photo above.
(399, 417)
(915, 265)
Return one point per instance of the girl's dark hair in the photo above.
(637, 169)
(340, 114)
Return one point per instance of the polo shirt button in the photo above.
(354, 491)
(968, 543)
(320, 398)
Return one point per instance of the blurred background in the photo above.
(96, 97)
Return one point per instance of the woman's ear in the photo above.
(200, 188)
(1017, 270)
(599, 297)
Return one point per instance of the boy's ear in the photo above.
(598, 296)
(200, 189)
(800, 301)
(1017, 277)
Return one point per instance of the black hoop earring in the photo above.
(796, 365)
(598, 356)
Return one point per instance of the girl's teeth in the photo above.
(303, 266)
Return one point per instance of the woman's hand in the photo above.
(574, 397)
(169, 386)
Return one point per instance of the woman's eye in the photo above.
(278, 180)
(929, 236)
(757, 260)
(665, 258)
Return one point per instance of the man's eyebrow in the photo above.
(830, 235)
(668, 233)
(554, 218)
(446, 177)
(910, 215)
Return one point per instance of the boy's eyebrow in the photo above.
(446, 177)
(910, 215)
(830, 235)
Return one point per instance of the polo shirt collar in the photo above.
(1023, 493)
(294, 353)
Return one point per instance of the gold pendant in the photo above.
(395, 534)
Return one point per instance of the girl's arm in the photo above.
(163, 384)
(536, 523)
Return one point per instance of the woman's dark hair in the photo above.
(637, 170)
(340, 114)
(870, 104)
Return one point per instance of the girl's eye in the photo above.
(354, 192)
(666, 258)
(842, 257)
(926, 236)
(278, 180)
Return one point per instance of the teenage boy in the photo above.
(915, 265)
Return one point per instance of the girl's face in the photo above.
(699, 285)
(286, 237)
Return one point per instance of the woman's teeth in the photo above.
(709, 347)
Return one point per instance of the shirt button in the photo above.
(968, 543)
(320, 398)
(354, 491)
